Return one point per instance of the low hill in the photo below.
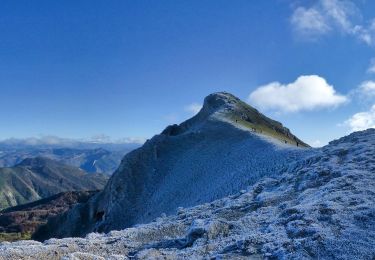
(22, 221)
(37, 178)
(227, 146)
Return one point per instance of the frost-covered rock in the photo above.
(320, 207)
(226, 147)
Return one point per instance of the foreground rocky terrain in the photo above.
(322, 206)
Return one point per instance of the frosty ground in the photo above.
(321, 206)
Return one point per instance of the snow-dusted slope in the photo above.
(321, 207)
(210, 156)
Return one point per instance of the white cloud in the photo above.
(316, 143)
(193, 108)
(49, 140)
(106, 139)
(42, 140)
(326, 15)
(362, 120)
(306, 93)
(364, 92)
(100, 138)
(131, 140)
(367, 88)
(371, 68)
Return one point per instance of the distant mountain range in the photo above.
(36, 178)
(91, 157)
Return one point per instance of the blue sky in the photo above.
(78, 69)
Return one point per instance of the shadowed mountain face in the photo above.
(227, 146)
(37, 178)
(95, 160)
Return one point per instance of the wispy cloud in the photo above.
(364, 93)
(188, 111)
(171, 118)
(367, 88)
(42, 140)
(106, 139)
(326, 16)
(371, 68)
(101, 138)
(193, 108)
(306, 93)
(309, 22)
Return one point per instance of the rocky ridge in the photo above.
(210, 156)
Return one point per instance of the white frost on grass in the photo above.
(322, 206)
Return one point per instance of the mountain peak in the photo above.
(223, 144)
(213, 103)
(223, 106)
(36, 161)
(218, 100)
